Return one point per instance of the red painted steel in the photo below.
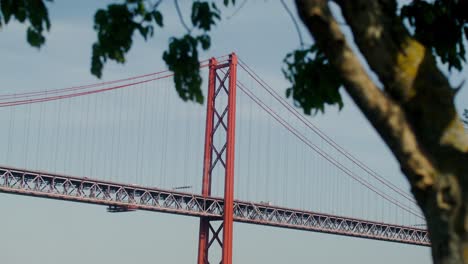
(222, 211)
(204, 232)
(223, 156)
(228, 220)
(206, 187)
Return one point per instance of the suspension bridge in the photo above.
(246, 156)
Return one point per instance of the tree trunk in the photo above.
(445, 212)
(415, 115)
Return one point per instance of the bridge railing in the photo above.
(132, 197)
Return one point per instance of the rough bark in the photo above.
(415, 115)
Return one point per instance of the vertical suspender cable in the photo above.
(10, 131)
(27, 128)
(39, 130)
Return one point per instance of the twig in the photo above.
(157, 4)
(294, 21)
(237, 10)
(180, 16)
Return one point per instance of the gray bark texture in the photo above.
(414, 112)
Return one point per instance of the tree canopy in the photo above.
(440, 25)
(412, 108)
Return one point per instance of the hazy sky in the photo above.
(46, 231)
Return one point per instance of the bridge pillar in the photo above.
(220, 124)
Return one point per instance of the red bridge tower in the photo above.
(221, 105)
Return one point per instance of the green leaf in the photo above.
(205, 41)
(114, 27)
(96, 61)
(226, 2)
(314, 82)
(20, 15)
(34, 38)
(203, 16)
(215, 7)
(439, 25)
(141, 9)
(143, 31)
(288, 92)
(158, 18)
(182, 59)
(6, 8)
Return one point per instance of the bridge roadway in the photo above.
(131, 197)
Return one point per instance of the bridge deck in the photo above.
(85, 190)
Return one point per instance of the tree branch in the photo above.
(438, 181)
(237, 10)
(301, 41)
(155, 6)
(384, 114)
(410, 75)
(176, 3)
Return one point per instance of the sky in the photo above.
(47, 231)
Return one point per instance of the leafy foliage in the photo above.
(182, 55)
(182, 59)
(226, 2)
(115, 27)
(314, 81)
(440, 24)
(204, 16)
(33, 11)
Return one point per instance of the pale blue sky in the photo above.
(45, 231)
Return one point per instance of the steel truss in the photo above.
(132, 197)
(221, 125)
